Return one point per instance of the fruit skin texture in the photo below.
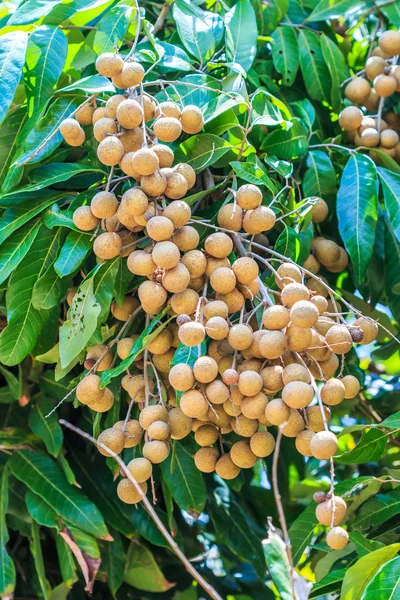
(109, 64)
(242, 455)
(226, 468)
(369, 329)
(206, 459)
(323, 445)
(351, 386)
(127, 491)
(297, 394)
(324, 511)
(192, 120)
(262, 444)
(113, 439)
(337, 538)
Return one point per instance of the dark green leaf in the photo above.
(315, 73)
(385, 585)
(40, 511)
(288, 243)
(10, 138)
(15, 248)
(253, 173)
(7, 568)
(360, 575)
(103, 286)
(111, 28)
(301, 531)
(319, 178)
(49, 290)
(72, 253)
(66, 560)
(113, 561)
(357, 210)
(241, 34)
(392, 271)
(391, 11)
(92, 84)
(143, 572)
(335, 62)
(377, 510)
(391, 194)
(370, 448)
(202, 151)
(12, 57)
(37, 555)
(328, 584)
(194, 31)
(48, 175)
(363, 545)
(288, 145)
(285, 169)
(285, 53)
(47, 428)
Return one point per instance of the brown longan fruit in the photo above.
(164, 154)
(196, 263)
(230, 216)
(133, 432)
(351, 386)
(272, 344)
(333, 392)
(339, 339)
(294, 292)
(328, 368)
(242, 456)
(126, 166)
(109, 64)
(323, 445)
(95, 352)
(230, 376)
(193, 404)
(88, 389)
(141, 263)
(357, 90)
(110, 151)
(113, 439)
(130, 115)
(214, 263)
(127, 308)
(321, 303)
(218, 245)
(304, 314)
(185, 303)
(259, 220)
(217, 328)
(215, 308)
(148, 106)
(140, 469)
(192, 119)
(226, 468)
(181, 377)
(161, 343)
(206, 435)
(276, 317)
(389, 42)
(104, 403)
(84, 219)
(205, 370)
(160, 228)
(70, 128)
(248, 196)
(287, 273)
(337, 538)
(112, 105)
(295, 372)
(250, 383)
(187, 172)
(240, 336)
(262, 444)
(197, 283)
(134, 201)
(385, 85)
(372, 102)
(324, 511)
(243, 426)
(156, 451)
(145, 161)
(180, 425)
(128, 493)
(298, 338)
(253, 407)
(389, 138)
(319, 211)
(177, 279)
(158, 431)
(103, 128)
(166, 255)
(104, 205)
(369, 137)
(178, 212)
(132, 74)
(294, 424)
(350, 118)
(326, 251)
(155, 184)
(324, 324)
(272, 378)
(162, 361)
(176, 186)
(99, 113)
(234, 300)
(303, 441)
(167, 129)
(84, 114)
(152, 413)
(186, 238)
(232, 409)
(206, 459)
(168, 109)
(107, 245)
(191, 334)
(217, 392)
(245, 269)
(311, 264)
(314, 417)
(374, 66)
(297, 394)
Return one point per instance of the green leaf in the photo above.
(81, 324)
(391, 11)
(10, 132)
(40, 511)
(66, 560)
(48, 175)
(202, 151)
(253, 173)
(7, 568)
(12, 57)
(241, 34)
(331, 9)
(392, 271)
(37, 555)
(363, 545)
(288, 145)
(278, 564)
(302, 530)
(285, 53)
(72, 253)
(328, 584)
(113, 561)
(43, 476)
(315, 73)
(93, 84)
(391, 422)
(358, 577)
(378, 509)
(270, 111)
(336, 64)
(184, 481)
(32, 11)
(288, 243)
(371, 447)
(319, 179)
(47, 428)
(45, 58)
(285, 169)
(103, 286)
(385, 585)
(49, 290)
(193, 29)
(143, 572)
(111, 28)
(391, 195)
(54, 217)
(357, 210)
(16, 247)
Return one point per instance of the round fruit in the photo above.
(107, 245)
(130, 115)
(226, 468)
(206, 459)
(389, 138)
(140, 469)
(259, 220)
(294, 424)
(103, 128)
(248, 196)
(272, 344)
(323, 445)
(180, 425)
(187, 172)
(333, 392)
(319, 211)
(156, 451)
(145, 161)
(303, 441)
(385, 85)
(369, 329)
(339, 339)
(276, 317)
(351, 386)
(272, 379)
(186, 238)
(133, 432)
(167, 129)
(84, 219)
(295, 372)
(127, 308)
(262, 444)
(324, 511)
(337, 538)
(160, 228)
(206, 435)
(294, 292)
(112, 438)
(240, 336)
(304, 314)
(245, 269)
(176, 185)
(128, 493)
(230, 216)
(357, 90)
(297, 394)
(350, 118)
(110, 151)
(132, 74)
(193, 404)
(389, 42)
(178, 212)
(158, 431)
(218, 245)
(192, 120)
(205, 369)
(109, 64)
(242, 456)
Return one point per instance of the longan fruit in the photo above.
(164, 154)
(350, 118)
(339, 339)
(84, 114)
(196, 263)
(250, 383)
(243, 426)
(324, 511)
(217, 328)
(303, 441)
(140, 469)
(333, 392)
(95, 352)
(181, 377)
(232, 409)
(88, 389)
(185, 303)
(214, 263)
(160, 228)
(110, 151)
(262, 444)
(127, 308)
(162, 361)
(230, 376)
(128, 493)
(109, 64)
(240, 336)
(206, 435)
(155, 184)
(126, 166)
(337, 538)
(385, 85)
(178, 212)
(161, 343)
(217, 392)
(272, 378)
(226, 468)
(311, 264)
(104, 403)
(294, 292)
(245, 269)
(319, 211)
(112, 105)
(242, 455)
(321, 304)
(156, 451)
(99, 113)
(187, 172)
(272, 344)
(180, 425)
(276, 317)
(192, 120)
(148, 106)
(259, 220)
(326, 251)
(230, 216)
(357, 90)
(133, 432)
(70, 129)
(158, 431)
(176, 186)
(134, 201)
(84, 219)
(113, 439)
(351, 386)
(327, 367)
(107, 245)
(389, 42)
(132, 74)
(103, 128)
(234, 300)
(206, 459)
(323, 445)
(168, 109)
(297, 394)
(294, 424)
(167, 129)
(298, 338)
(374, 66)
(295, 372)
(130, 115)
(193, 404)
(218, 245)
(205, 370)
(324, 324)
(135, 386)
(104, 205)
(145, 161)
(304, 314)
(218, 417)
(191, 334)
(253, 407)
(249, 196)
(177, 279)
(152, 413)
(287, 273)
(369, 137)
(389, 138)
(166, 255)
(215, 308)
(372, 102)
(186, 238)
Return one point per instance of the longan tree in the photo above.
(200, 284)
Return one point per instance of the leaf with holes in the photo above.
(285, 53)
(315, 72)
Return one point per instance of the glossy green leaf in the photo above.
(40, 511)
(241, 34)
(288, 243)
(7, 568)
(313, 67)
(113, 561)
(319, 178)
(253, 173)
(288, 145)
(377, 510)
(37, 555)
(43, 476)
(48, 175)
(14, 249)
(357, 210)
(391, 11)
(360, 575)
(195, 33)
(370, 448)
(92, 84)
(391, 194)
(81, 324)
(270, 111)
(66, 561)
(336, 64)
(331, 583)
(12, 56)
(202, 151)
(392, 271)
(103, 286)
(47, 428)
(278, 564)
(362, 544)
(285, 53)
(32, 11)
(143, 572)
(328, 9)
(10, 132)
(72, 253)
(301, 531)
(111, 28)
(49, 290)
(386, 583)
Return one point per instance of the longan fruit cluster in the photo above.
(384, 74)
(330, 512)
(247, 212)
